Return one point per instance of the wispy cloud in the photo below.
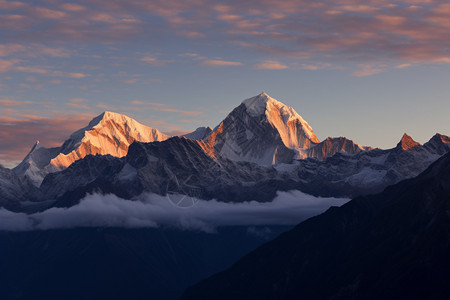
(153, 61)
(6, 65)
(402, 66)
(78, 103)
(271, 65)
(44, 71)
(367, 70)
(73, 7)
(49, 13)
(163, 107)
(10, 103)
(220, 63)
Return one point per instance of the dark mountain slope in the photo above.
(113, 263)
(393, 245)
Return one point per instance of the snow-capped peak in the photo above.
(280, 115)
(108, 133)
(257, 105)
(263, 130)
(262, 103)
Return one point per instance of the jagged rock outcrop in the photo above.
(330, 146)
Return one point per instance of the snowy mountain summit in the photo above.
(294, 131)
(109, 133)
(263, 130)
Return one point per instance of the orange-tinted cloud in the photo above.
(220, 63)
(271, 65)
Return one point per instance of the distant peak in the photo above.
(36, 144)
(407, 142)
(440, 138)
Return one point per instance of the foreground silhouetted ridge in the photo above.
(392, 245)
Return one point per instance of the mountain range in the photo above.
(391, 241)
(261, 147)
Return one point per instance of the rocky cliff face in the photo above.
(331, 146)
(15, 191)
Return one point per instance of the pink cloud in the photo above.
(229, 17)
(367, 70)
(103, 17)
(324, 31)
(220, 63)
(6, 65)
(271, 65)
(11, 4)
(78, 100)
(70, 75)
(78, 105)
(191, 34)
(49, 13)
(359, 8)
(8, 49)
(51, 51)
(32, 70)
(391, 20)
(73, 7)
(402, 66)
(153, 61)
(10, 103)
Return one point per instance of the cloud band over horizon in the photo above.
(150, 211)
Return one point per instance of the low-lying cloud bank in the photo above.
(151, 210)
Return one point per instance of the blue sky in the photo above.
(368, 70)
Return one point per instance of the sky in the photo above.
(368, 70)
